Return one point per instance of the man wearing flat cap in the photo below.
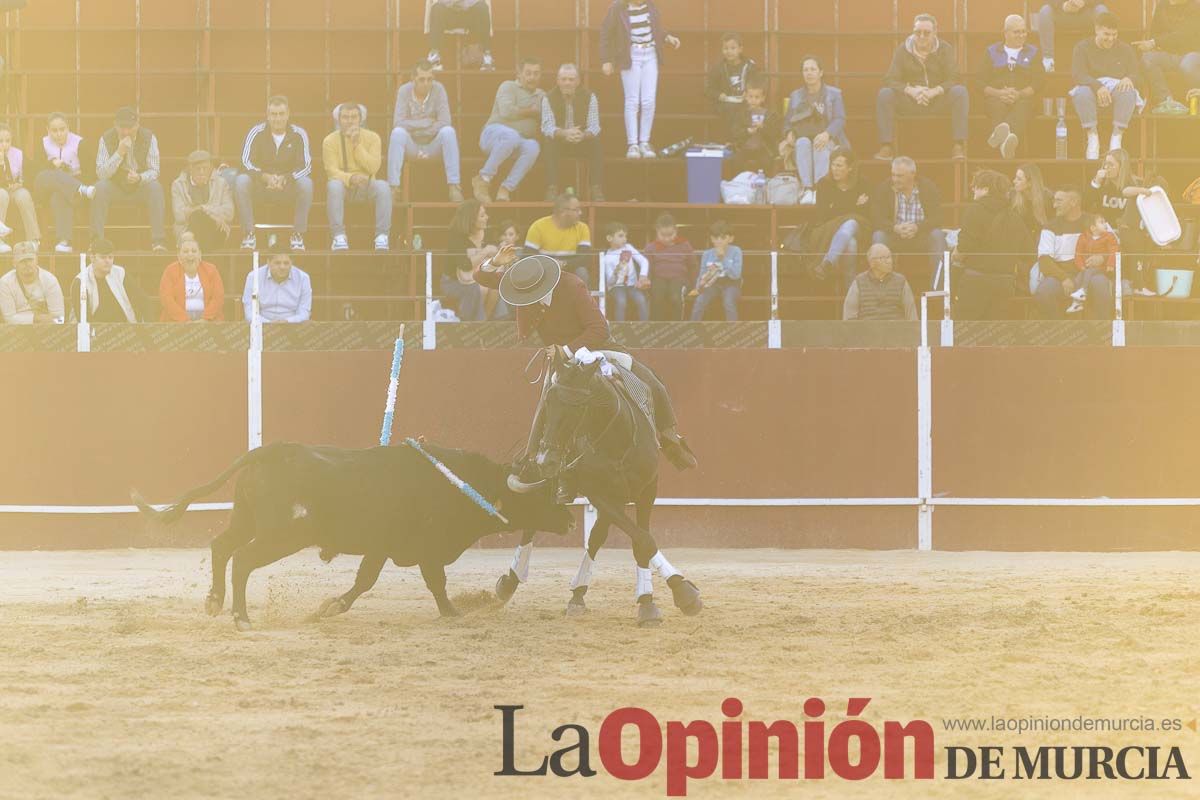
(127, 166)
(202, 205)
(28, 293)
(352, 156)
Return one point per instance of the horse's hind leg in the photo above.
(239, 532)
(518, 573)
(583, 578)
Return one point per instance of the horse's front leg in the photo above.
(518, 572)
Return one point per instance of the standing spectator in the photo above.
(989, 248)
(563, 236)
(626, 273)
(726, 83)
(1011, 76)
(284, 291)
(1096, 264)
(632, 40)
(879, 293)
(29, 294)
(720, 274)
(12, 189)
(843, 200)
(1071, 15)
(907, 213)
(472, 15)
(1055, 268)
(1106, 72)
(202, 205)
(467, 249)
(756, 130)
(109, 298)
(278, 170)
(1173, 46)
(571, 127)
(59, 177)
(922, 80)
(512, 128)
(191, 289)
(127, 167)
(352, 155)
(421, 128)
(815, 125)
(672, 263)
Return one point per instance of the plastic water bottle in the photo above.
(1060, 138)
(759, 186)
(416, 243)
(673, 149)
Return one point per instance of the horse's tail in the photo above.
(173, 512)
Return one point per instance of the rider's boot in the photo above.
(676, 449)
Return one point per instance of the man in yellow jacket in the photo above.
(352, 155)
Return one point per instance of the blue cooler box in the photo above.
(704, 173)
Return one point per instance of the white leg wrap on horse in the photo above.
(645, 582)
(664, 567)
(584, 576)
(520, 562)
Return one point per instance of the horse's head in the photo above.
(573, 389)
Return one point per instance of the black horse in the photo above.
(598, 443)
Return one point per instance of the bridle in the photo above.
(577, 396)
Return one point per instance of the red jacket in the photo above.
(171, 294)
(1106, 245)
(572, 318)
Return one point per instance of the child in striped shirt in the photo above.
(631, 40)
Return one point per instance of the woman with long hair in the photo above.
(842, 199)
(1031, 199)
(1113, 195)
(815, 126)
(467, 248)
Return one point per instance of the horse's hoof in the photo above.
(213, 604)
(648, 614)
(687, 597)
(332, 607)
(576, 608)
(242, 624)
(506, 586)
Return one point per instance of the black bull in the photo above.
(381, 503)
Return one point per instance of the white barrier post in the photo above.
(1118, 326)
(83, 331)
(947, 321)
(925, 427)
(430, 327)
(254, 407)
(774, 327)
(603, 285)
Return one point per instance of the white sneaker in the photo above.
(250, 242)
(633, 152)
(435, 60)
(297, 241)
(382, 242)
(1076, 307)
(1048, 64)
(808, 198)
(1114, 142)
(647, 150)
(1093, 146)
(4, 229)
(64, 247)
(1145, 292)
(87, 191)
(5, 247)
(1079, 294)
(340, 242)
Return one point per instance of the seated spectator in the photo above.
(564, 236)
(511, 129)
(352, 155)
(109, 297)
(191, 289)
(473, 16)
(720, 274)
(1173, 46)
(571, 127)
(1032, 201)
(1096, 264)
(58, 179)
(815, 126)
(127, 166)
(672, 263)
(1113, 194)
(284, 291)
(907, 213)
(879, 292)
(202, 205)
(509, 248)
(626, 273)
(12, 189)
(726, 83)
(1010, 76)
(466, 250)
(843, 207)
(990, 249)
(632, 40)
(756, 130)
(922, 80)
(421, 128)
(1054, 273)
(1106, 73)
(278, 169)
(1076, 16)
(29, 294)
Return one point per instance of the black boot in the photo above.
(676, 449)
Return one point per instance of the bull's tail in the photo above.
(173, 512)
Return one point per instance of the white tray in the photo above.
(1158, 215)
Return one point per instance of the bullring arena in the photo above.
(987, 528)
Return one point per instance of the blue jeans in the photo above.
(500, 142)
(730, 292)
(61, 190)
(844, 245)
(248, 190)
(375, 192)
(445, 144)
(467, 296)
(147, 193)
(1084, 100)
(622, 296)
(890, 102)
(812, 164)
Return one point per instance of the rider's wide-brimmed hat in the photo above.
(529, 280)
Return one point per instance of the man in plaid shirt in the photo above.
(906, 214)
(571, 127)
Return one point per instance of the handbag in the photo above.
(783, 190)
(739, 191)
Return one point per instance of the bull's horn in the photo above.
(515, 484)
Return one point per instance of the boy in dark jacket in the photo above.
(726, 83)
(756, 131)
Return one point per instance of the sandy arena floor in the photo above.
(115, 684)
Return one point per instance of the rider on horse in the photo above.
(559, 308)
